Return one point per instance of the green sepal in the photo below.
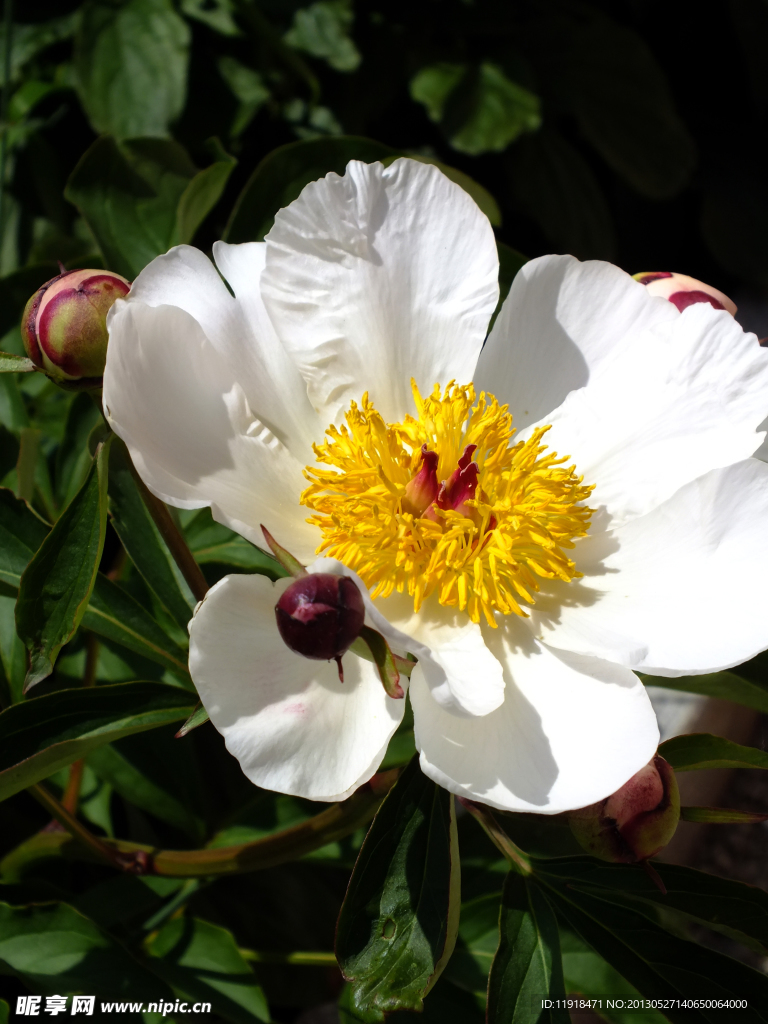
(198, 717)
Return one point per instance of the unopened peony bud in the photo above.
(64, 326)
(320, 615)
(683, 291)
(635, 822)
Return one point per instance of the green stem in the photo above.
(174, 538)
(516, 857)
(331, 825)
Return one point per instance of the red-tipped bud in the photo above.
(635, 822)
(422, 490)
(320, 615)
(64, 325)
(683, 291)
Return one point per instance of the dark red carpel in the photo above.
(685, 299)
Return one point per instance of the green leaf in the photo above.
(114, 614)
(131, 62)
(203, 961)
(130, 195)
(555, 186)
(721, 816)
(399, 920)
(725, 685)
(479, 109)
(10, 363)
(73, 459)
(154, 776)
(28, 40)
(4, 1012)
(659, 964)
(702, 750)
(13, 654)
(281, 176)
(53, 948)
(199, 198)
(39, 736)
(527, 967)
(198, 717)
(737, 909)
(210, 542)
(216, 15)
(322, 31)
(249, 88)
(22, 532)
(609, 78)
(141, 539)
(56, 585)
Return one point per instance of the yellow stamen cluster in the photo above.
(528, 505)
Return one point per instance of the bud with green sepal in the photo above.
(635, 822)
(64, 325)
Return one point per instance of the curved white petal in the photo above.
(571, 730)
(239, 330)
(562, 324)
(288, 720)
(191, 433)
(378, 276)
(687, 398)
(679, 591)
(462, 674)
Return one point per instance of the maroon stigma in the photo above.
(320, 615)
(685, 299)
(423, 489)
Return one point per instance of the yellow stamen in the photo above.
(527, 505)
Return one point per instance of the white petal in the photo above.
(571, 730)
(239, 330)
(462, 674)
(688, 398)
(190, 431)
(288, 720)
(377, 277)
(679, 591)
(561, 325)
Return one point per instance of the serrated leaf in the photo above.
(114, 614)
(527, 967)
(203, 961)
(398, 923)
(56, 585)
(725, 685)
(281, 176)
(735, 908)
(659, 964)
(141, 539)
(53, 948)
(702, 750)
(131, 66)
(39, 736)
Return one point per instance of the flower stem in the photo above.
(519, 860)
(69, 822)
(174, 538)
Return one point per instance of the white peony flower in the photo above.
(309, 393)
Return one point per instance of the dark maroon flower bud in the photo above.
(64, 325)
(636, 821)
(320, 615)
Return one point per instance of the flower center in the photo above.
(444, 504)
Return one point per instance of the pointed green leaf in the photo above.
(199, 198)
(141, 539)
(56, 585)
(203, 961)
(399, 920)
(737, 909)
(721, 816)
(725, 685)
(41, 735)
(54, 948)
(131, 66)
(114, 614)
(22, 532)
(659, 964)
(702, 750)
(9, 363)
(527, 967)
(281, 176)
(198, 717)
